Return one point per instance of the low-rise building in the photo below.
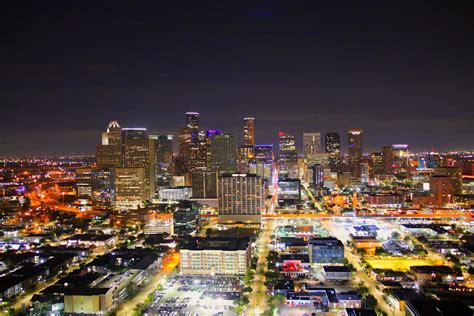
(325, 250)
(215, 256)
(337, 273)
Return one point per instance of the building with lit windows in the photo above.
(311, 146)
(215, 256)
(204, 184)
(139, 152)
(249, 131)
(333, 150)
(355, 152)
(264, 152)
(130, 189)
(109, 152)
(241, 198)
(223, 153)
(286, 148)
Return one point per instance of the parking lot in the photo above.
(195, 296)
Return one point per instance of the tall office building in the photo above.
(139, 152)
(249, 131)
(109, 152)
(199, 153)
(245, 156)
(187, 135)
(84, 182)
(164, 149)
(355, 151)
(103, 186)
(192, 120)
(130, 188)
(318, 176)
(204, 184)
(333, 149)
(400, 158)
(223, 153)
(240, 198)
(377, 164)
(387, 157)
(264, 153)
(286, 148)
(311, 146)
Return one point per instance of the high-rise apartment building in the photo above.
(355, 151)
(223, 153)
(311, 146)
(240, 198)
(286, 148)
(333, 150)
(249, 131)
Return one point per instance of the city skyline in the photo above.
(288, 65)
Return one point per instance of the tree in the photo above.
(254, 262)
(247, 289)
(370, 301)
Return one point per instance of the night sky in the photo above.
(404, 73)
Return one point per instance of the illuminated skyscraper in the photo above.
(333, 149)
(311, 146)
(192, 120)
(245, 156)
(223, 153)
(400, 158)
(164, 149)
(387, 153)
(249, 131)
(355, 151)
(318, 176)
(286, 148)
(204, 184)
(240, 198)
(139, 152)
(264, 152)
(199, 153)
(109, 152)
(376, 164)
(130, 188)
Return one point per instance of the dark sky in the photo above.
(402, 71)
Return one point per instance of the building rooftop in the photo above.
(439, 308)
(330, 241)
(336, 269)
(90, 237)
(216, 243)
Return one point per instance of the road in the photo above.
(258, 297)
(169, 264)
(360, 274)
